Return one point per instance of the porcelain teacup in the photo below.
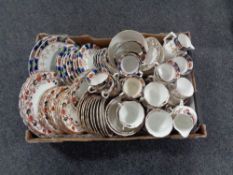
(132, 87)
(180, 90)
(155, 94)
(185, 64)
(166, 72)
(159, 123)
(131, 114)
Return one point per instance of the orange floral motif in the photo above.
(38, 77)
(63, 112)
(30, 118)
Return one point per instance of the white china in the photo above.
(131, 114)
(182, 88)
(130, 64)
(185, 41)
(166, 72)
(156, 94)
(125, 36)
(159, 123)
(185, 64)
(184, 120)
(96, 77)
(183, 124)
(111, 114)
(154, 55)
(133, 86)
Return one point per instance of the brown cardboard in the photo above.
(201, 132)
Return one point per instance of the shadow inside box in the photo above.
(108, 150)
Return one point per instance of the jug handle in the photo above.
(170, 35)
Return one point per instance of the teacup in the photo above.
(99, 81)
(184, 120)
(155, 94)
(185, 64)
(131, 114)
(159, 123)
(167, 72)
(182, 88)
(113, 87)
(129, 64)
(132, 87)
(97, 76)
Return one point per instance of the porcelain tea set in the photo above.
(135, 85)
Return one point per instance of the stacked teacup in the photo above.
(152, 82)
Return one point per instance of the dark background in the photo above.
(211, 25)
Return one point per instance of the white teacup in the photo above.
(129, 64)
(133, 86)
(131, 114)
(167, 72)
(182, 88)
(159, 123)
(155, 94)
(185, 64)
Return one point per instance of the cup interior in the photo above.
(183, 121)
(166, 72)
(131, 114)
(132, 87)
(130, 64)
(184, 87)
(159, 123)
(156, 94)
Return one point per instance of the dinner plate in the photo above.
(85, 57)
(30, 95)
(68, 114)
(52, 102)
(45, 55)
(44, 117)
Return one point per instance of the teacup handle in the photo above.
(105, 94)
(91, 89)
(169, 36)
(150, 78)
(116, 76)
(140, 74)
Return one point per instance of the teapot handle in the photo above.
(169, 36)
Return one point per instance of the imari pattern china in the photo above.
(43, 54)
(108, 91)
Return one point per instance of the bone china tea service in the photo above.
(136, 86)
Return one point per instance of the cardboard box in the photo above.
(199, 132)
